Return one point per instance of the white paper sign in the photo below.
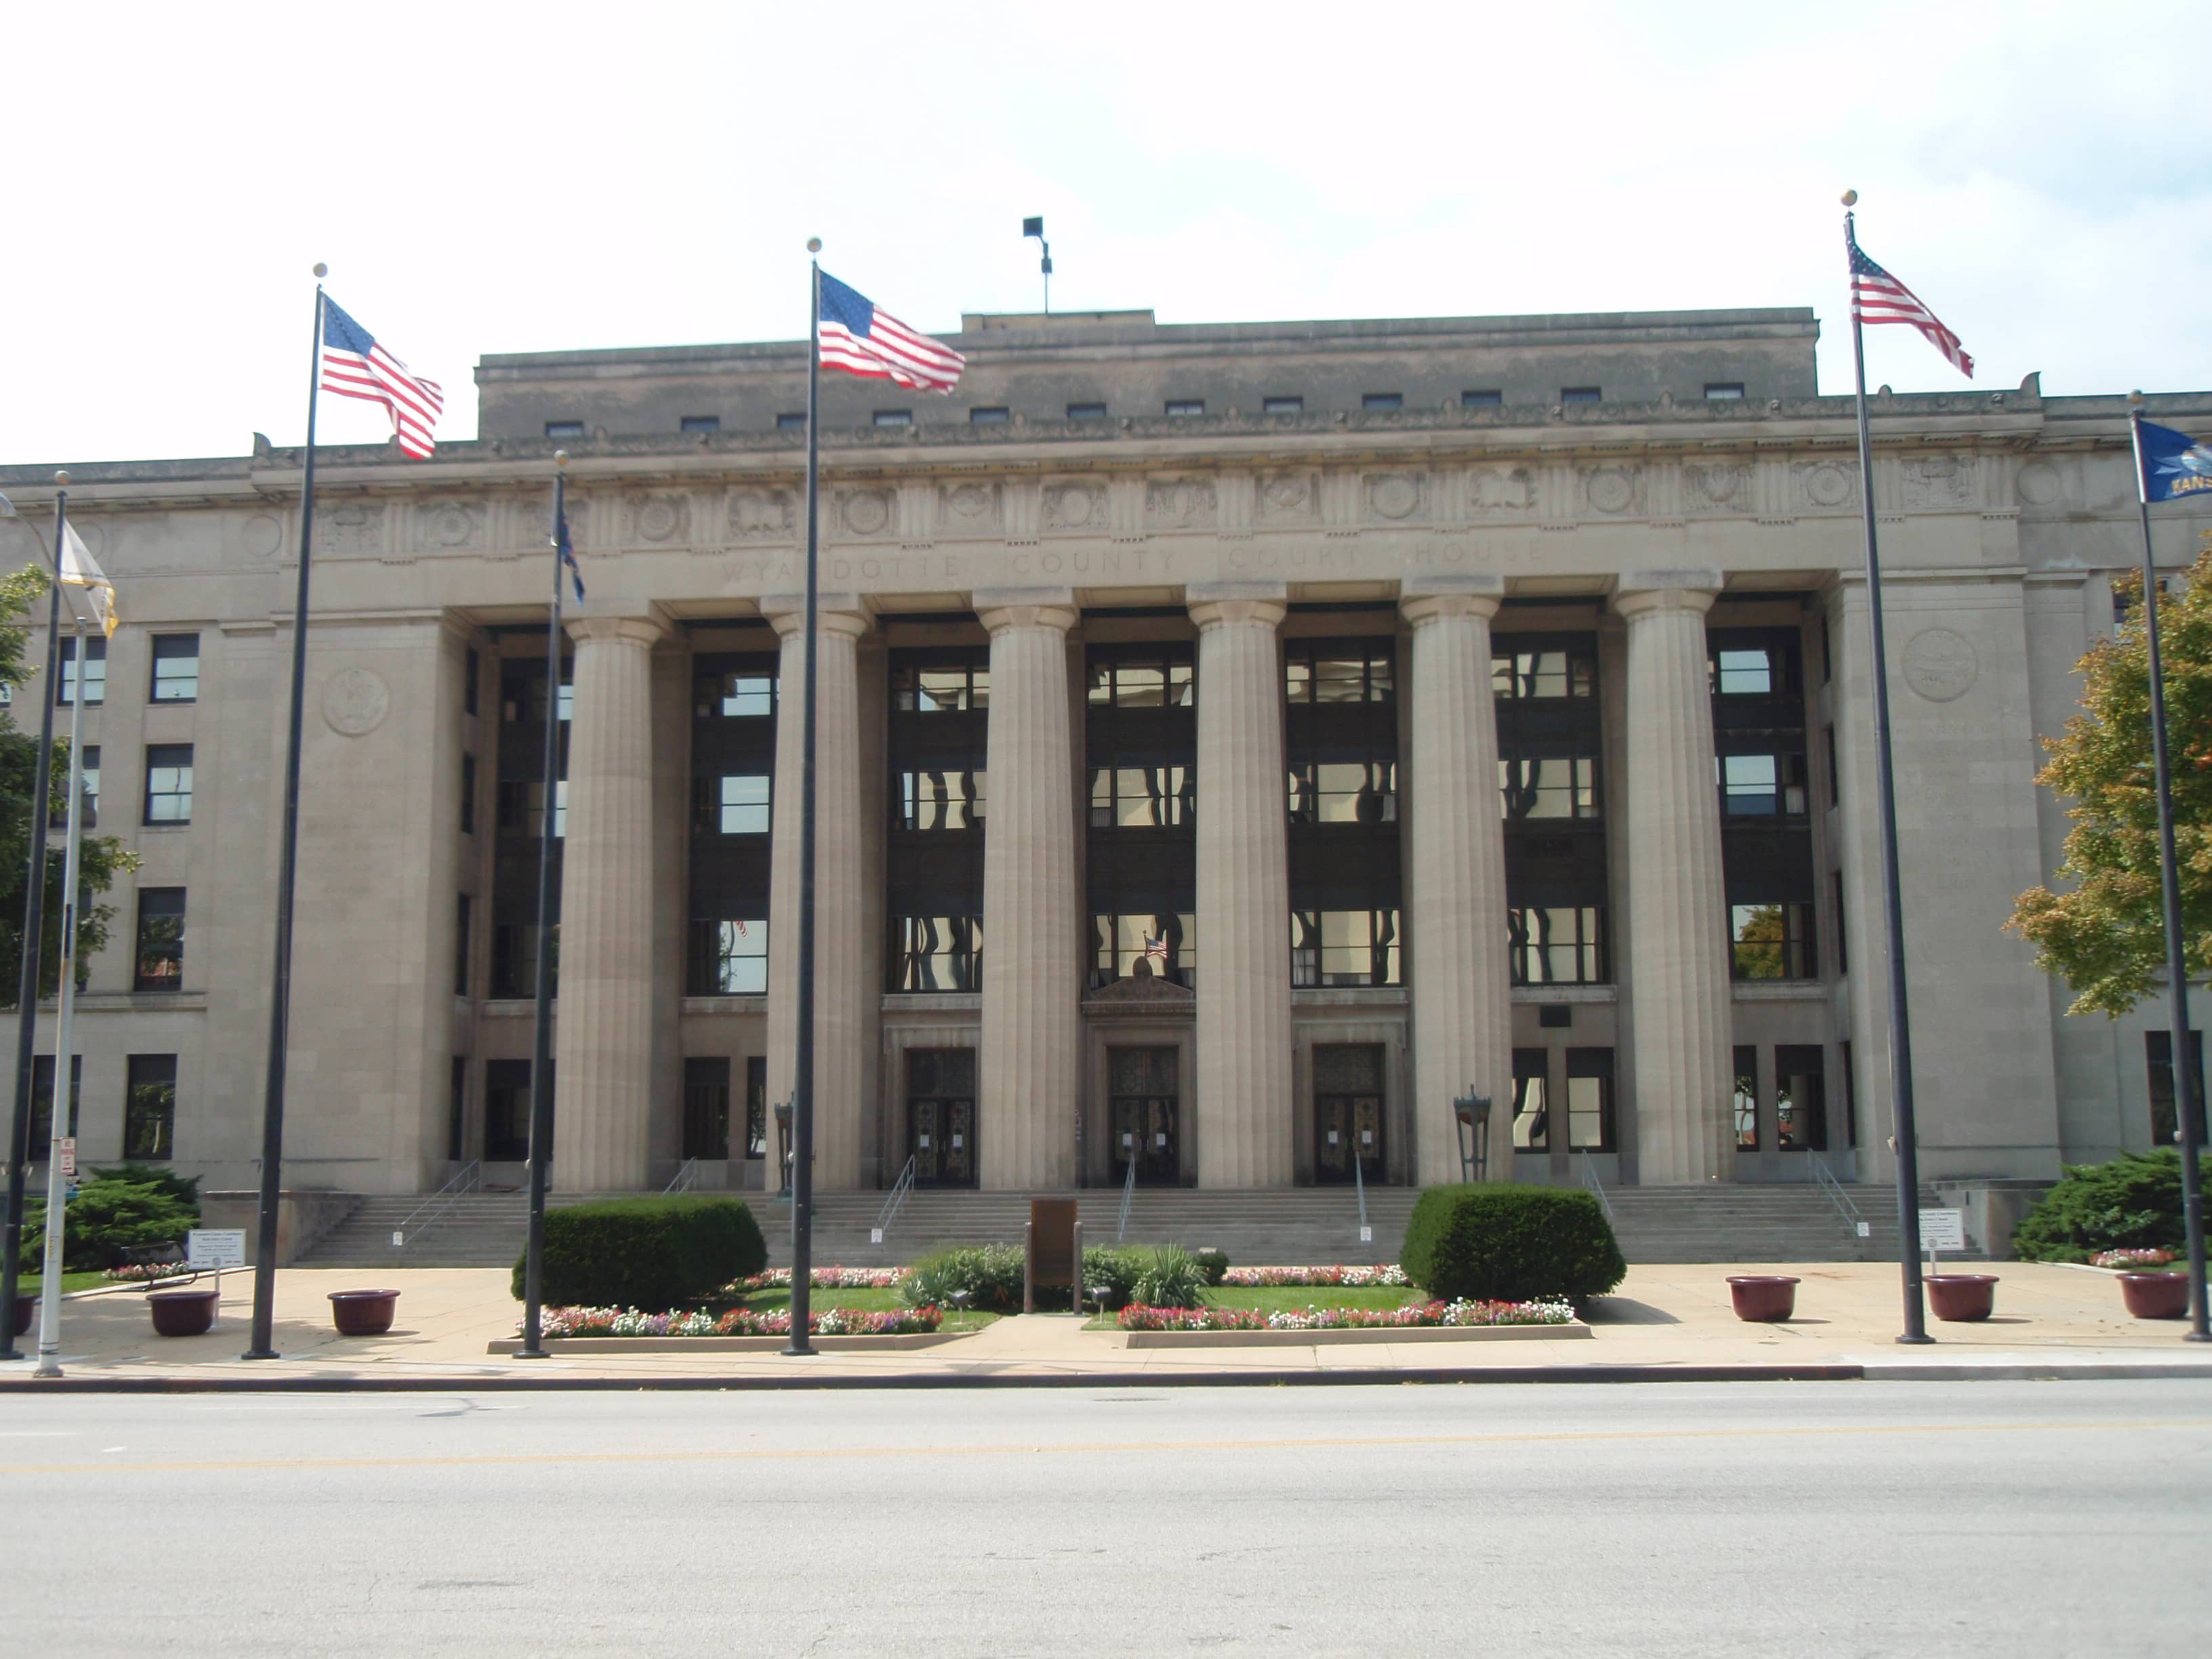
(218, 1247)
(1942, 1229)
(67, 1155)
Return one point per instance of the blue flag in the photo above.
(568, 554)
(2174, 463)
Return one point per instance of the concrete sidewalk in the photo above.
(1664, 1321)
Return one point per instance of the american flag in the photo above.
(1879, 297)
(860, 339)
(355, 366)
(1155, 950)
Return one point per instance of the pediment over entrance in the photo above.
(1146, 992)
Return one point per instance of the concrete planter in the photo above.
(2155, 1296)
(364, 1313)
(182, 1313)
(1763, 1298)
(1961, 1296)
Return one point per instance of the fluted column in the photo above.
(1678, 967)
(1462, 1011)
(1032, 938)
(842, 982)
(1244, 1090)
(603, 1048)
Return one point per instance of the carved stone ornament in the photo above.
(1287, 498)
(261, 535)
(1826, 484)
(663, 517)
(1941, 665)
(1075, 505)
(355, 702)
(865, 512)
(537, 522)
(1180, 503)
(2039, 483)
(448, 523)
(1501, 489)
(1394, 495)
(350, 527)
(1939, 481)
(1723, 486)
(763, 515)
(1610, 489)
(1146, 989)
(971, 507)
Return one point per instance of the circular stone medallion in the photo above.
(1828, 485)
(262, 535)
(355, 702)
(1941, 665)
(1611, 489)
(2039, 483)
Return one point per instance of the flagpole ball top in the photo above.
(1850, 198)
(321, 270)
(2136, 398)
(814, 245)
(561, 458)
(61, 480)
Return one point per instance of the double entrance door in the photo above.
(1347, 1113)
(1145, 1113)
(940, 1115)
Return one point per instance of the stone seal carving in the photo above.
(1394, 494)
(762, 514)
(449, 524)
(866, 512)
(355, 702)
(663, 517)
(1501, 489)
(2040, 484)
(261, 535)
(1074, 505)
(1941, 665)
(1610, 489)
(1826, 484)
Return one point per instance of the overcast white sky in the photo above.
(485, 177)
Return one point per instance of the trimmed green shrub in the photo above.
(651, 1253)
(1216, 1264)
(106, 1219)
(1172, 1278)
(1116, 1267)
(990, 1274)
(2133, 1202)
(1511, 1244)
(185, 1189)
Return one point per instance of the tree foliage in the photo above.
(2106, 933)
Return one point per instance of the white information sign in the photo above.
(1943, 1230)
(215, 1246)
(67, 1153)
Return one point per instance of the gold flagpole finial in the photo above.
(321, 270)
(560, 458)
(814, 245)
(61, 480)
(1850, 198)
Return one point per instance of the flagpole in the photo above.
(802, 1089)
(541, 1048)
(280, 983)
(34, 901)
(1900, 1021)
(49, 1305)
(2187, 1091)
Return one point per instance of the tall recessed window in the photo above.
(176, 667)
(701, 423)
(522, 808)
(468, 794)
(1552, 796)
(1556, 945)
(2159, 1079)
(1762, 785)
(756, 1106)
(1340, 752)
(507, 1110)
(937, 953)
(1141, 742)
(941, 800)
(150, 1108)
(456, 1109)
(1589, 1100)
(42, 1102)
(1801, 1097)
(707, 1107)
(1532, 1118)
(96, 673)
(1767, 840)
(161, 961)
(168, 783)
(938, 743)
(1383, 400)
(471, 677)
(57, 791)
(735, 804)
(1772, 941)
(733, 732)
(564, 428)
(1345, 947)
(462, 918)
(1183, 408)
(1747, 1098)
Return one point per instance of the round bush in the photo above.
(1496, 1243)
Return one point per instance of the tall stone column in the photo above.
(1462, 999)
(1244, 1088)
(1678, 963)
(842, 981)
(603, 1041)
(1032, 937)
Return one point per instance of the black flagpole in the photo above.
(1900, 1023)
(541, 1051)
(802, 1073)
(2187, 1094)
(280, 982)
(34, 910)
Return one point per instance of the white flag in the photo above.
(78, 570)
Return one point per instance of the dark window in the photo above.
(1801, 1098)
(733, 732)
(1532, 1115)
(471, 676)
(1835, 777)
(1589, 1100)
(729, 957)
(1772, 941)
(1850, 1096)
(522, 808)
(564, 428)
(1556, 944)
(507, 1110)
(1141, 743)
(1341, 754)
(938, 741)
(515, 960)
(1383, 400)
(150, 1108)
(1724, 391)
(1747, 1098)
(756, 1106)
(1181, 407)
(461, 947)
(1766, 840)
(955, 686)
(161, 939)
(468, 794)
(2164, 1109)
(994, 417)
(791, 421)
(457, 1110)
(937, 953)
(746, 692)
(1827, 652)
(1551, 795)
(1481, 399)
(894, 418)
(176, 667)
(89, 774)
(1842, 951)
(1282, 406)
(96, 673)
(42, 1102)
(707, 1108)
(700, 423)
(1581, 394)
(1556, 1016)
(1086, 411)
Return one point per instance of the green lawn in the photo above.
(92, 1280)
(870, 1301)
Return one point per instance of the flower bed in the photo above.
(1268, 1278)
(1138, 1317)
(140, 1273)
(2132, 1261)
(826, 1279)
(738, 1321)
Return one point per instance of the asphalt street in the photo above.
(1742, 1518)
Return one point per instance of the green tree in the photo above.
(2106, 933)
(22, 615)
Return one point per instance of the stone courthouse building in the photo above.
(1236, 741)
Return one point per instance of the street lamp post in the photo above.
(1471, 1112)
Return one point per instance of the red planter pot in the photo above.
(1961, 1297)
(1763, 1298)
(182, 1313)
(2155, 1296)
(364, 1313)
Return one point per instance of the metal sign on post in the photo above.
(65, 1154)
(1943, 1230)
(217, 1247)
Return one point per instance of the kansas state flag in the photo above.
(2174, 465)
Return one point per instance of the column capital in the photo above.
(1216, 605)
(1000, 608)
(1642, 592)
(835, 613)
(1426, 598)
(612, 624)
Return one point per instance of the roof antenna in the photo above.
(1034, 226)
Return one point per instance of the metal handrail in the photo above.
(1593, 1185)
(889, 1213)
(1846, 1207)
(687, 1176)
(465, 1180)
(1128, 1193)
(1359, 1182)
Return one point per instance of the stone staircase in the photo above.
(1291, 1226)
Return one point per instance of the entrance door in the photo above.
(1147, 1112)
(1347, 1112)
(940, 1115)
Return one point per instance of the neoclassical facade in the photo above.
(1235, 742)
